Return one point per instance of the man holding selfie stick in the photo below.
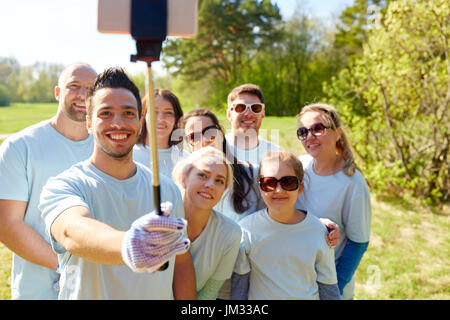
(104, 215)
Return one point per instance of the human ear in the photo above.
(57, 91)
(89, 124)
(300, 188)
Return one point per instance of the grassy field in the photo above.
(409, 251)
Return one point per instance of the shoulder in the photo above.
(305, 159)
(30, 133)
(265, 144)
(229, 227)
(251, 221)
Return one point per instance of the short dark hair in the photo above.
(248, 88)
(114, 78)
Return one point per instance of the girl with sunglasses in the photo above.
(335, 188)
(203, 178)
(284, 253)
(170, 141)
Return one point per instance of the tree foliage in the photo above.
(395, 98)
(247, 41)
(33, 83)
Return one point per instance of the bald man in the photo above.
(27, 160)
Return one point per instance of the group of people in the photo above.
(242, 218)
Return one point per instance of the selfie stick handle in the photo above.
(151, 120)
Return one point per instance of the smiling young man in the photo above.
(97, 212)
(27, 160)
(246, 111)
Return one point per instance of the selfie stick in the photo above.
(143, 23)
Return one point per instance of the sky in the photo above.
(65, 31)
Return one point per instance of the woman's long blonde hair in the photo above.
(342, 145)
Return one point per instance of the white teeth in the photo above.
(205, 195)
(118, 136)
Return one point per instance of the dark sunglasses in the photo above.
(242, 107)
(317, 129)
(288, 183)
(209, 133)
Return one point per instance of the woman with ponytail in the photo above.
(335, 188)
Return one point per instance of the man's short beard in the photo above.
(116, 156)
(76, 116)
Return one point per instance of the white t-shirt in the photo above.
(27, 160)
(340, 198)
(254, 155)
(117, 203)
(167, 158)
(215, 250)
(285, 261)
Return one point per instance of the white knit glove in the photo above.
(152, 240)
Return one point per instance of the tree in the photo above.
(395, 99)
(231, 33)
(355, 22)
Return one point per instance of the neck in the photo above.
(120, 169)
(245, 140)
(328, 165)
(162, 142)
(73, 130)
(286, 216)
(197, 219)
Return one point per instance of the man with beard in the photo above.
(27, 160)
(246, 112)
(99, 213)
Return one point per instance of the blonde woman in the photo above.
(203, 178)
(335, 188)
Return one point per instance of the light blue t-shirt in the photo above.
(215, 250)
(342, 199)
(27, 160)
(285, 261)
(117, 203)
(254, 155)
(167, 158)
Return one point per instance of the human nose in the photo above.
(82, 92)
(209, 183)
(278, 188)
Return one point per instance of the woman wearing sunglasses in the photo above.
(284, 253)
(170, 142)
(335, 188)
(203, 178)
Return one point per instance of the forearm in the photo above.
(21, 238)
(77, 232)
(328, 291)
(184, 287)
(349, 261)
(240, 284)
(24, 241)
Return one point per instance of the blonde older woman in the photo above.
(335, 188)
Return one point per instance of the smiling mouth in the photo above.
(79, 106)
(118, 137)
(205, 195)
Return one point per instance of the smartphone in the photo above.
(114, 17)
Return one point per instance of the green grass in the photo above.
(21, 115)
(409, 251)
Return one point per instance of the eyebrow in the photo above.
(123, 107)
(209, 172)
